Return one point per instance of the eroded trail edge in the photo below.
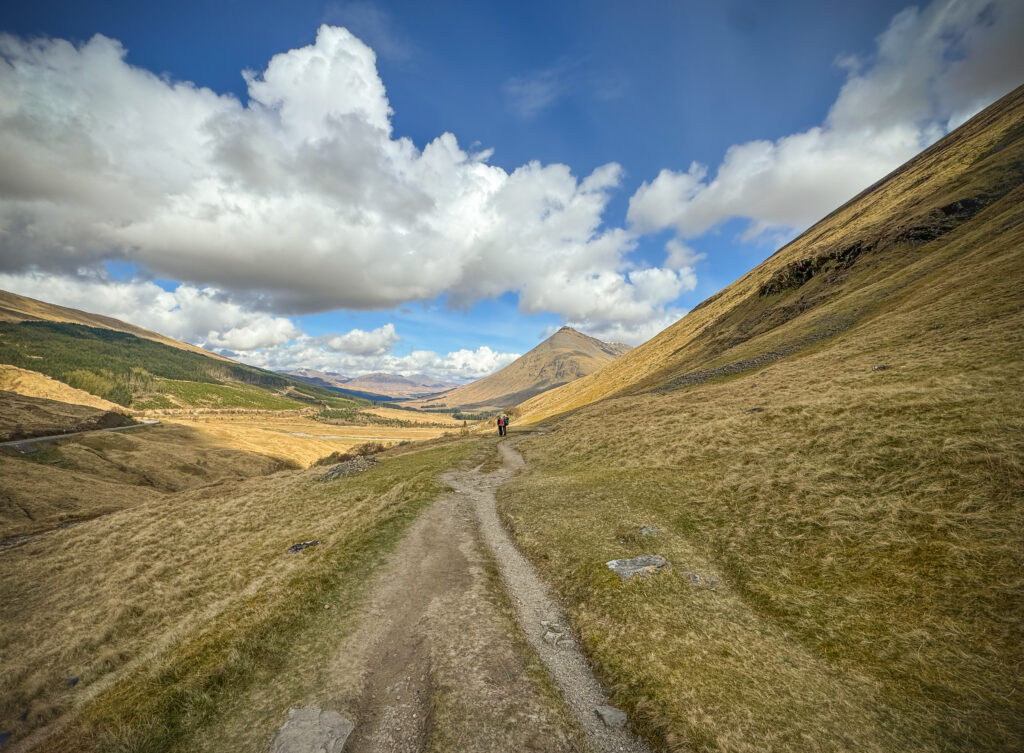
(537, 611)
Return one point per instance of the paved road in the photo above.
(18, 443)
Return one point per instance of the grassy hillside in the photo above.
(23, 417)
(33, 384)
(141, 373)
(838, 440)
(836, 274)
(18, 308)
(565, 356)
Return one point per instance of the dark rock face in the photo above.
(940, 221)
(797, 273)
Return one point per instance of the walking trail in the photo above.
(440, 660)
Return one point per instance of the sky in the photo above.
(437, 187)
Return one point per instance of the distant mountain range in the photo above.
(375, 386)
(564, 357)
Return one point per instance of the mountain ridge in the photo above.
(564, 356)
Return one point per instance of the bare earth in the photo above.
(440, 663)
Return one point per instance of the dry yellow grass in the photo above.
(83, 477)
(22, 417)
(34, 384)
(296, 437)
(167, 609)
(415, 417)
(865, 524)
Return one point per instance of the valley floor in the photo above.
(435, 646)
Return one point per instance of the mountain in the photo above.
(378, 386)
(836, 276)
(830, 455)
(19, 308)
(395, 385)
(133, 367)
(565, 356)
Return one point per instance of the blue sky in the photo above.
(290, 219)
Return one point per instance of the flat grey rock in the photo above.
(649, 531)
(611, 716)
(312, 730)
(643, 564)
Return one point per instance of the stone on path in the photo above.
(611, 716)
(643, 564)
(312, 730)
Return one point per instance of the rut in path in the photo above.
(440, 660)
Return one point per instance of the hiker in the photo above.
(504, 423)
(501, 426)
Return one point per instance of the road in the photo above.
(19, 443)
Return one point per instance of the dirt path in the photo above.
(24, 444)
(538, 614)
(448, 654)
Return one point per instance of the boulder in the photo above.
(312, 730)
(611, 716)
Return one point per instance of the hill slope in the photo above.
(831, 453)
(140, 371)
(563, 357)
(837, 273)
(19, 308)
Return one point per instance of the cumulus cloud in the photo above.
(315, 353)
(357, 342)
(931, 70)
(300, 200)
(201, 316)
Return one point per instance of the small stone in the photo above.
(701, 581)
(643, 564)
(73, 681)
(611, 716)
(649, 531)
(755, 410)
(551, 637)
(879, 367)
(295, 548)
(312, 729)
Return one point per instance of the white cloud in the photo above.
(357, 342)
(315, 353)
(201, 316)
(932, 69)
(196, 315)
(302, 199)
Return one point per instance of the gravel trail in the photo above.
(537, 611)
